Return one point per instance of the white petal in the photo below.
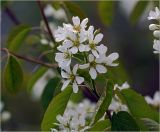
(76, 20)
(90, 38)
(72, 35)
(93, 73)
(90, 30)
(74, 50)
(101, 49)
(82, 37)
(75, 87)
(75, 68)
(82, 47)
(79, 79)
(84, 22)
(64, 74)
(91, 58)
(101, 58)
(59, 57)
(66, 63)
(113, 56)
(87, 48)
(67, 44)
(98, 38)
(101, 69)
(61, 48)
(67, 69)
(94, 52)
(84, 66)
(65, 84)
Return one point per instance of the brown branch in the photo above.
(33, 60)
(45, 20)
(12, 16)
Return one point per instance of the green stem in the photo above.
(94, 87)
(78, 59)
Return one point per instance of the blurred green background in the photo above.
(125, 31)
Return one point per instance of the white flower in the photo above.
(154, 14)
(71, 77)
(155, 101)
(109, 60)
(156, 46)
(77, 25)
(74, 43)
(94, 66)
(93, 41)
(125, 85)
(116, 106)
(64, 57)
(70, 31)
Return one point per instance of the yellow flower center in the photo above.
(76, 43)
(77, 28)
(67, 55)
(93, 64)
(72, 77)
(92, 45)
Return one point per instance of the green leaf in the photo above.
(151, 124)
(138, 106)
(123, 121)
(103, 102)
(106, 11)
(57, 106)
(13, 75)
(17, 36)
(74, 9)
(37, 75)
(138, 10)
(49, 91)
(100, 126)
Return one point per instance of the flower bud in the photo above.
(156, 33)
(153, 27)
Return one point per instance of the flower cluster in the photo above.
(75, 116)
(77, 39)
(155, 15)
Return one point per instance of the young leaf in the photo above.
(106, 11)
(35, 77)
(49, 91)
(56, 106)
(103, 102)
(138, 11)
(13, 75)
(74, 9)
(17, 36)
(138, 106)
(100, 125)
(123, 121)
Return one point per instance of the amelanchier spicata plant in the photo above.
(77, 39)
(83, 62)
(155, 15)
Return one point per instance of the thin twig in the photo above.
(12, 16)
(33, 60)
(45, 20)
